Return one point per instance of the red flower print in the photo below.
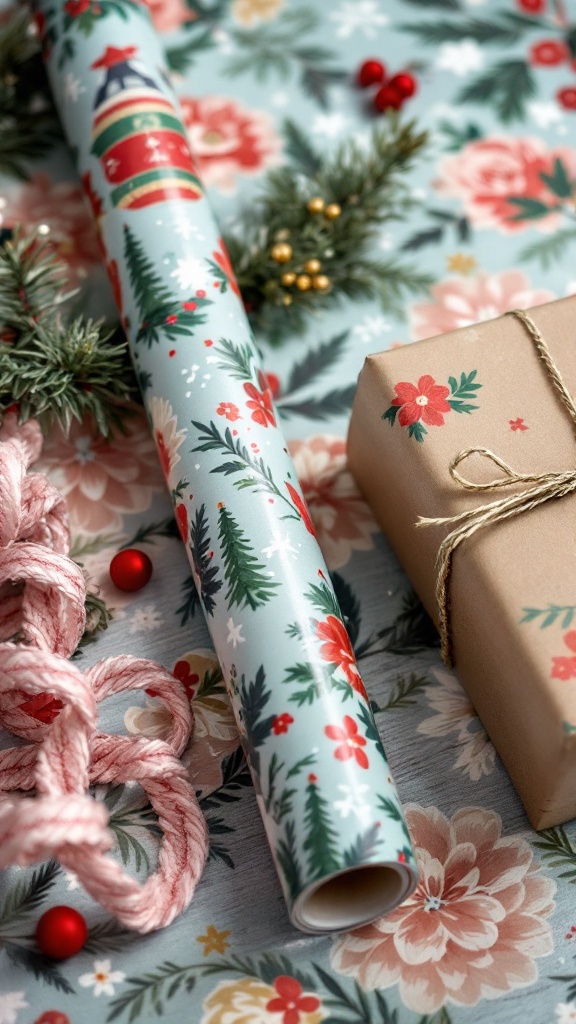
(229, 410)
(261, 402)
(182, 520)
(567, 98)
(337, 649)
(188, 678)
(76, 7)
(281, 723)
(549, 53)
(273, 383)
(222, 258)
(302, 508)
(517, 424)
(350, 740)
(290, 1001)
(564, 667)
(425, 401)
(531, 6)
(52, 1017)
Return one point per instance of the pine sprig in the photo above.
(51, 369)
(370, 187)
(28, 893)
(28, 123)
(558, 851)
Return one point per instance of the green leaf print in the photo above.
(362, 848)
(248, 581)
(321, 839)
(237, 360)
(287, 855)
(549, 616)
(462, 391)
(254, 697)
(558, 851)
(549, 250)
(27, 894)
(507, 86)
(204, 567)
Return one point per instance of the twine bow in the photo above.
(545, 486)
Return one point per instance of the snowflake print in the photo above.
(145, 619)
(365, 16)
(234, 633)
(191, 274)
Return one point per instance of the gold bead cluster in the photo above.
(310, 276)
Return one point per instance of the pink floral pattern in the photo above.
(99, 483)
(487, 173)
(474, 926)
(343, 521)
(168, 15)
(228, 139)
(460, 302)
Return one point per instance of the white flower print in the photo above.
(9, 1003)
(102, 979)
(455, 714)
(566, 1013)
(191, 274)
(363, 16)
(145, 619)
(460, 58)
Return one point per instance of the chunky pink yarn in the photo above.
(46, 700)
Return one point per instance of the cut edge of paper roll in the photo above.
(352, 898)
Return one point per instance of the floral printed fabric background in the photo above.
(489, 933)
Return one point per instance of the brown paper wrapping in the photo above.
(504, 663)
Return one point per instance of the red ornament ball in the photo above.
(567, 98)
(61, 932)
(388, 98)
(371, 72)
(404, 83)
(130, 569)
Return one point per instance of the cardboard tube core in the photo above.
(352, 898)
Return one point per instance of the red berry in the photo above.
(370, 73)
(61, 932)
(567, 98)
(531, 6)
(388, 98)
(130, 569)
(171, 319)
(52, 1017)
(549, 53)
(404, 83)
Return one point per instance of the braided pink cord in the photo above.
(46, 700)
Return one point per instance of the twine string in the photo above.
(545, 487)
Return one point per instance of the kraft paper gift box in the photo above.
(511, 588)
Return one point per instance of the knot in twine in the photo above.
(545, 486)
(46, 700)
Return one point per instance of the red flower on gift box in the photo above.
(290, 1001)
(564, 666)
(337, 649)
(350, 741)
(261, 402)
(281, 723)
(423, 401)
(302, 508)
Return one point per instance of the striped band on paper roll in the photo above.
(329, 805)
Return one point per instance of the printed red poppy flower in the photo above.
(282, 723)
(188, 678)
(290, 1001)
(350, 741)
(229, 410)
(261, 402)
(337, 649)
(549, 53)
(564, 667)
(302, 508)
(424, 401)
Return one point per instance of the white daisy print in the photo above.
(102, 979)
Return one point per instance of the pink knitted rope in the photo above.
(47, 700)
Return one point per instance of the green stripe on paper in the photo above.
(159, 175)
(135, 124)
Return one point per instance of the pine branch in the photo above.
(370, 188)
(248, 582)
(28, 893)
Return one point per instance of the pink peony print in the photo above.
(485, 174)
(102, 480)
(343, 520)
(228, 139)
(473, 927)
(460, 302)
(62, 207)
(168, 15)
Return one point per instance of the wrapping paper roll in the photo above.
(328, 802)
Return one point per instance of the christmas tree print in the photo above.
(254, 697)
(204, 569)
(248, 584)
(161, 313)
(320, 842)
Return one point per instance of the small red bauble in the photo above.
(567, 98)
(130, 569)
(388, 98)
(61, 932)
(404, 83)
(370, 73)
